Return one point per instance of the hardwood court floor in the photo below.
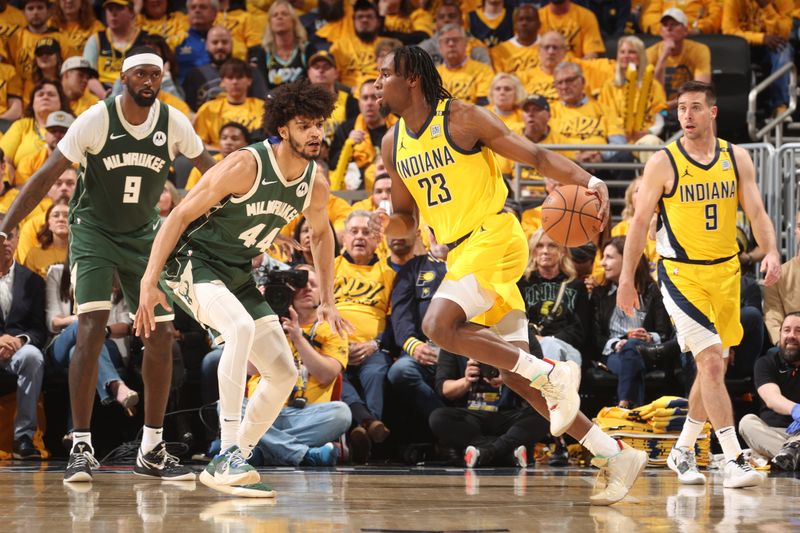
(370, 499)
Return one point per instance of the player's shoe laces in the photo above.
(159, 463)
(229, 468)
(560, 390)
(739, 474)
(617, 474)
(80, 464)
(681, 461)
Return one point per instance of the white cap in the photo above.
(59, 119)
(78, 63)
(676, 14)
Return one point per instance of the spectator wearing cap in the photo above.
(322, 71)
(521, 51)
(577, 24)
(57, 124)
(46, 65)
(192, 50)
(105, 50)
(202, 84)
(10, 95)
(355, 55)
(233, 106)
(676, 59)
(766, 25)
(283, 55)
(702, 16)
(20, 46)
(76, 21)
(76, 72)
(463, 77)
(156, 18)
(448, 12)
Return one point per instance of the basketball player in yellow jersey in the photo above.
(698, 182)
(440, 156)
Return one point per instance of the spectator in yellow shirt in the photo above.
(232, 137)
(381, 192)
(703, 16)
(520, 52)
(18, 48)
(577, 24)
(506, 95)
(75, 75)
(402, 21)
(58, 122)
(464, 78)
(233, 106)
(156, 18)
(355, 55)
(10, 96)
(766, 25)
(75, 20)
(539, 79)
(53, 238)
(449, 12)
(630, 51)
(677, 59)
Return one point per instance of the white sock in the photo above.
(729, 443)
(691, 430)
(600, 444)
(529, 366)
(150, 438)
(229, 424)
(82, 436)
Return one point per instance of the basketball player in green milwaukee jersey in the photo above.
(205, 249)
(124, 146)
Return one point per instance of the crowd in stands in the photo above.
(541, 67)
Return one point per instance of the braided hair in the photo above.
(414, 62)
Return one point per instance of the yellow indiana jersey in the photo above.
(363, 295)
(212, 115)
(454, 188)
(76, 35)
(468, 82)
(697, 221)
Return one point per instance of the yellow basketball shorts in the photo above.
(495, 256)
(703, 301)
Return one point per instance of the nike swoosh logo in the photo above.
(265, 182)
(115, 137)
(155, 226)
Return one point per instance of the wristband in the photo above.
(594, 180)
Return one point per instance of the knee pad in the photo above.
(271, 353)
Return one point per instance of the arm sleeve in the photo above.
(86, 135)
(405, 316)
(186, 141)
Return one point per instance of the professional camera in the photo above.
(279, 287)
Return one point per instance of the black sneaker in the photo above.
(81, 462)
(788, 457)
(159, 463)
(24, 449)
(560, 456)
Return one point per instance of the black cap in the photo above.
(538, 100)
(47, 46)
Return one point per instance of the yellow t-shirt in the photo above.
(613, 97)
(748, 20)
(468, 82)
(195, 174)
(40, 259)
(515, 121)
(29, 230)
(509, 56)
(578, 26)
(419, 20)
(22, 138)
(77, 36)
(87, 100)
(537, 81)
(177, 103)
(355, 59)
(596, 72)
(363, 295)
(21, 45)
(236, 22)
(11, 21)
(589, 123)
(212, 115)
(326, 342)
(30, 164)
(703, 15)
(172, 26)
(10, 85)
(531, 220)
(694, 60)
(527, 173)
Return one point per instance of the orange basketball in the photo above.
(571, 215)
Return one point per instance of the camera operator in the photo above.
(489, 422)
(306, 427)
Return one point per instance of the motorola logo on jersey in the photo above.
(302, 189)
(159, 138)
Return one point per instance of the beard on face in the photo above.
(367, 36)
(331, 10)
(301, 150)
(142, 101)
(790, 355)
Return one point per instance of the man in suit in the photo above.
(22, 337)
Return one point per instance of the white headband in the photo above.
(142, 59)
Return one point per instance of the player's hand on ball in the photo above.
(771, 268)
(145, 320)
(627, 299)
(328, 313)
(600, 189)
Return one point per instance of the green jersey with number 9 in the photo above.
(119, 186)
(242, 227)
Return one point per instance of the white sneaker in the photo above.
(560, 390)
(471, 455)
(681, 461)
(739, 474)
(521, 456)
(617, 474)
